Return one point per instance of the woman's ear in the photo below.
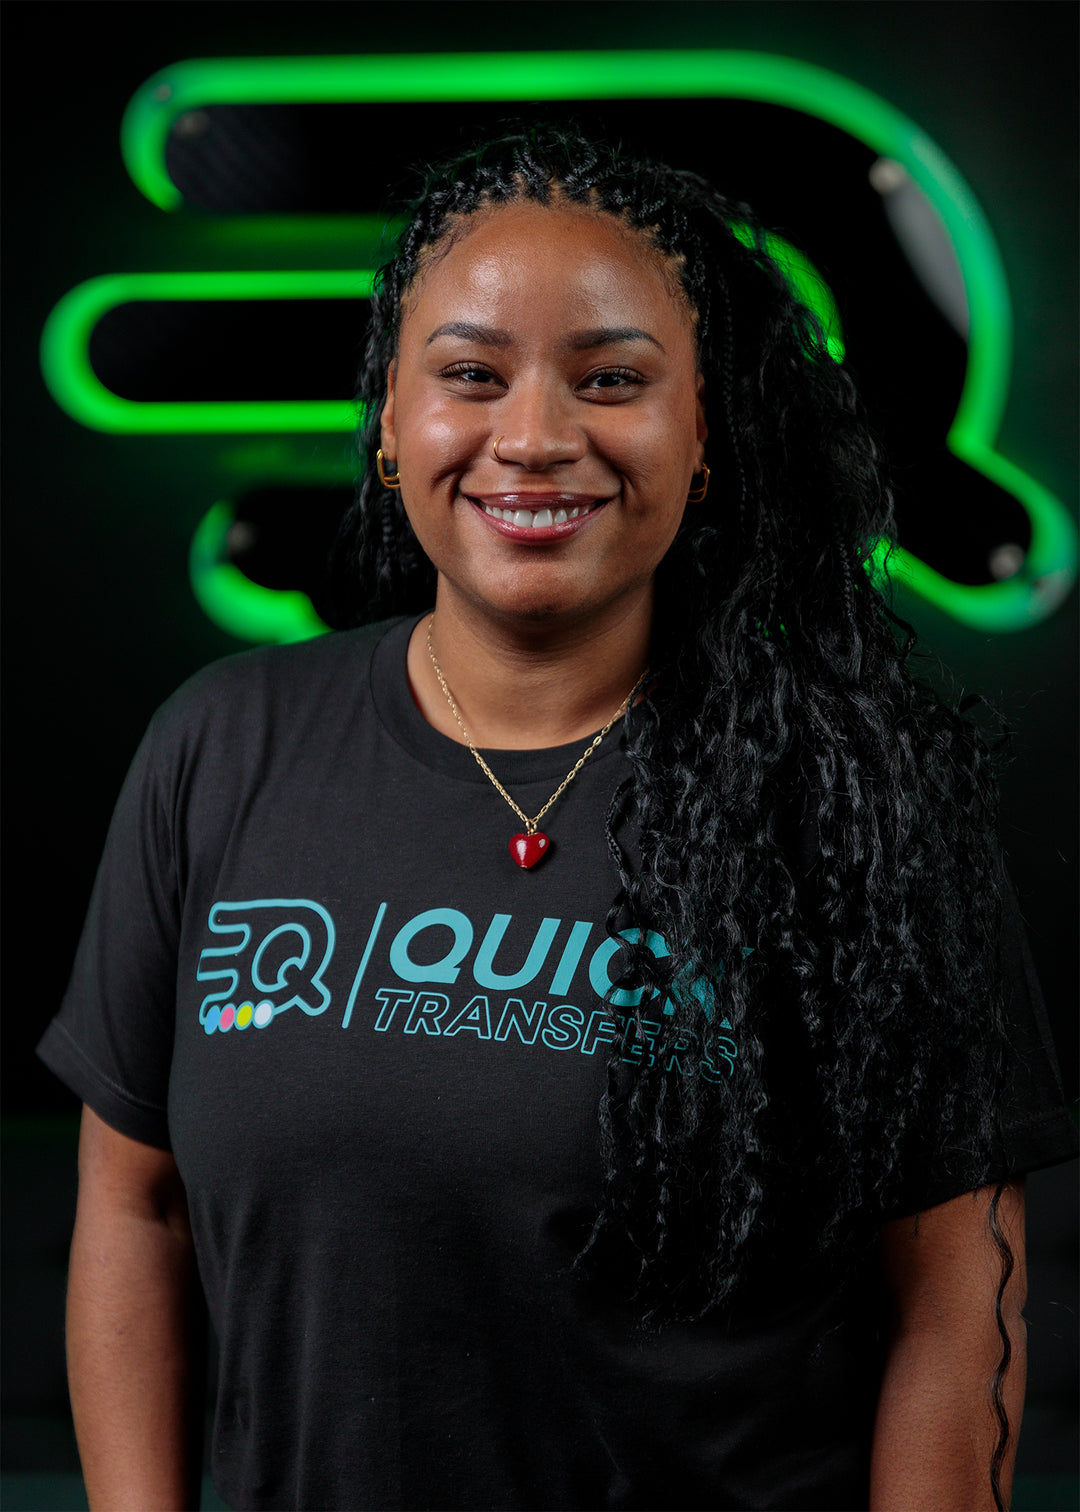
(388, 439)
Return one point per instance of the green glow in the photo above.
(811, 289)
(1040, 586)
(279, 457)
(805, 282)
(65, 353)
(233, 601)
(259, 231)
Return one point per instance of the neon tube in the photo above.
(70, 378)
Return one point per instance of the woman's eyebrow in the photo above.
(600, 336)
(483, 335)
(580, 341)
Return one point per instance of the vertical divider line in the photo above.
(364, 959)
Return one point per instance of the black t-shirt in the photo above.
(377, 1047)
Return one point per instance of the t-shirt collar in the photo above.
(406, 725)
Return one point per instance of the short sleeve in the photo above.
(1035, 1127)
(112, 1040)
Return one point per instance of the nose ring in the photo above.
(495, 448)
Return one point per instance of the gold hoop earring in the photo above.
(495, 448)
(388, 481)
(696, 495)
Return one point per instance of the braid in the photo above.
(997, 1395)
(727, 397)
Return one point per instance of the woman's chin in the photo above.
(538, 606)
(529, 609)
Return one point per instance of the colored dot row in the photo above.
(229, 1016)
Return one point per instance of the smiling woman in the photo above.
(546, 438)
(672, 1156)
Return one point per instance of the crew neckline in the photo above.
(405, 724)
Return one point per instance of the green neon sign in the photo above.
(674, 74)
(229, 598)
(1050, 566)
(65, 354)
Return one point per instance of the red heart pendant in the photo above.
(527, 850)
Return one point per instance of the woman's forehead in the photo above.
(523, 245)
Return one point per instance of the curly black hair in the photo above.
(814, 828)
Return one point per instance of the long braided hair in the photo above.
(814, 828)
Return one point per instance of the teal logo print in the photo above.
(274, 954)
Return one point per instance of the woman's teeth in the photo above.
(538, 518)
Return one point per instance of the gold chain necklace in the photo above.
(532, 845)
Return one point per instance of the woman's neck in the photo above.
(526, 687)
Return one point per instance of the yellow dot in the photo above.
(244, 1014)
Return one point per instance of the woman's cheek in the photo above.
(445, 440)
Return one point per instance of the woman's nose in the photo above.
(536, 429)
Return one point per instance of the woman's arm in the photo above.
(936, 1431)
(132, 1370)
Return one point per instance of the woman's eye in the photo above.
(613, 379)
(468, 372)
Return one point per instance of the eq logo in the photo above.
(276, 953)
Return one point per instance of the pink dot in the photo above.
(228, 1014)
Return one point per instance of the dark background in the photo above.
(101, 624)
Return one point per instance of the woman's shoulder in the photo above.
(283, 684)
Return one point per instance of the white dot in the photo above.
(264, 1012)
(1005, 561)
(192, 124)
(886, 176)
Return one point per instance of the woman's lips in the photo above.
(535, 516)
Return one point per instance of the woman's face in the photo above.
(557, 335)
